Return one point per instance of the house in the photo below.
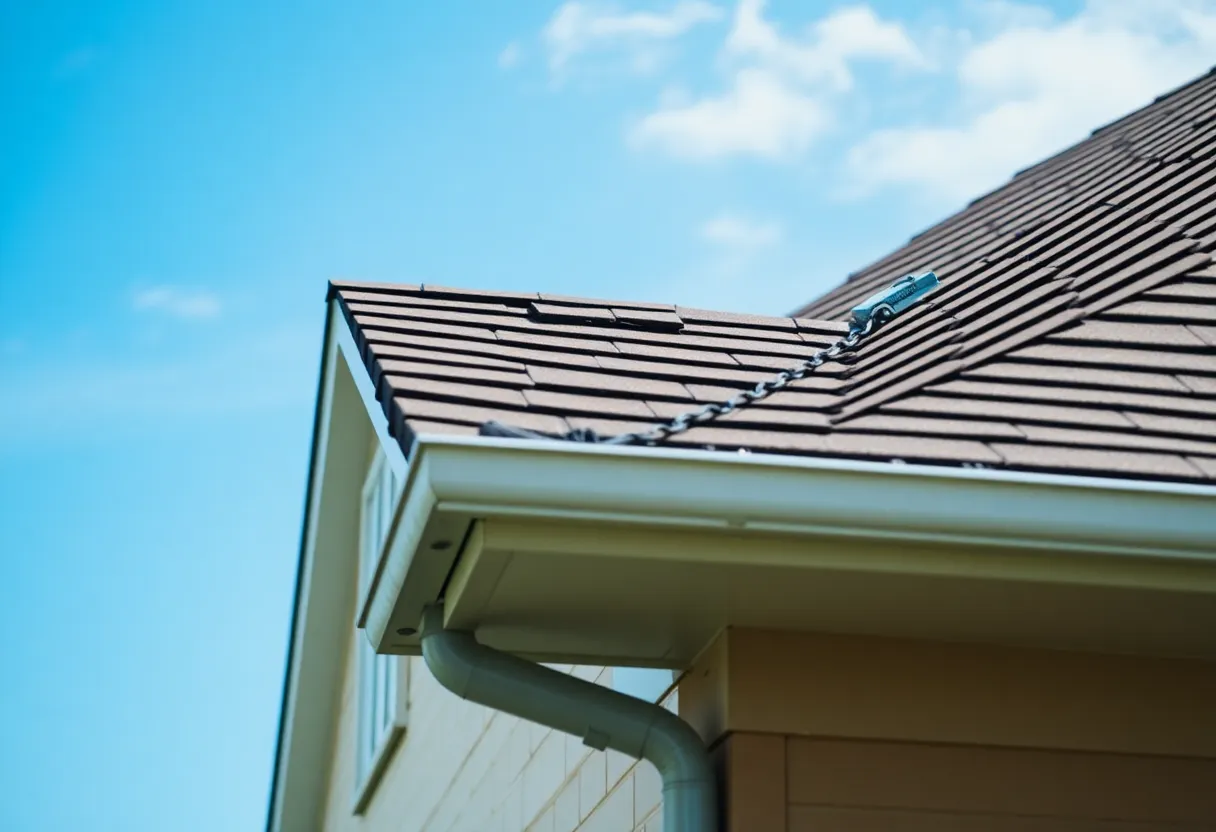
(962, 579)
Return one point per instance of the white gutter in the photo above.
(1165, 533)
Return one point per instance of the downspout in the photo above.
(604, 718)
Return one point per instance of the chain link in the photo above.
(763, 390)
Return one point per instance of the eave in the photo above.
(567, 552)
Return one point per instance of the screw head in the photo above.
(406, 631)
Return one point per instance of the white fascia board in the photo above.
(754, 491)
(292, 752)
(326, 576)
(1084, 516)
(345, 343)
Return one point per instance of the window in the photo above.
(383, 684)
(643, 682)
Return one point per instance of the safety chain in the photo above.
(868, 317)
(763, 390)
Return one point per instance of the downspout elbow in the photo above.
(603, 718)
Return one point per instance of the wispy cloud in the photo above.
(846, 35)
(178, 302)
(1037, 85)
(781, 91)
(579, 27)
(735, 232)
(760, 115)
(738, 267)
(510, 55)
(1021, 84)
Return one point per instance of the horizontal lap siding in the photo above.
(859, 786)
(828, 733)
(835, 819)
(786, 783)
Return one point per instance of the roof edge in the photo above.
(323, 381)
(1073, 518)
(346, 418)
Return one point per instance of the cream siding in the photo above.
(462, 768)
(465, 768)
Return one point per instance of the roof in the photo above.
(1075, 332)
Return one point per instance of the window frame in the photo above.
(382, 681)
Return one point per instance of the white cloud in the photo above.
(510, 55)
(760, 116)
(731, 231)
(782, 92)
(178, 302)
(846, 34)
(1038, 86)
(578, 27)
(996, 15)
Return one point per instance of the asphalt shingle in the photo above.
(1075, 332)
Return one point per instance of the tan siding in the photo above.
(883, 688)
(802, 784)
(835, 819)
(818, 733)
(755, 768)
(973, 781)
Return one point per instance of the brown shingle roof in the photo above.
(1075, 332)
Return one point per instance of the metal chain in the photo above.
(763, 390)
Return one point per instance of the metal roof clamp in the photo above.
(900, 295)
(868, 317)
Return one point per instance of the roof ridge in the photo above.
(542, 300)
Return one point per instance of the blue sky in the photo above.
(178, 181)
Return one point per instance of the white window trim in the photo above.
(382, 681)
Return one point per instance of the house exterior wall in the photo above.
(788, 783)
(461, 767)
(824, 733)
(842, 734)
